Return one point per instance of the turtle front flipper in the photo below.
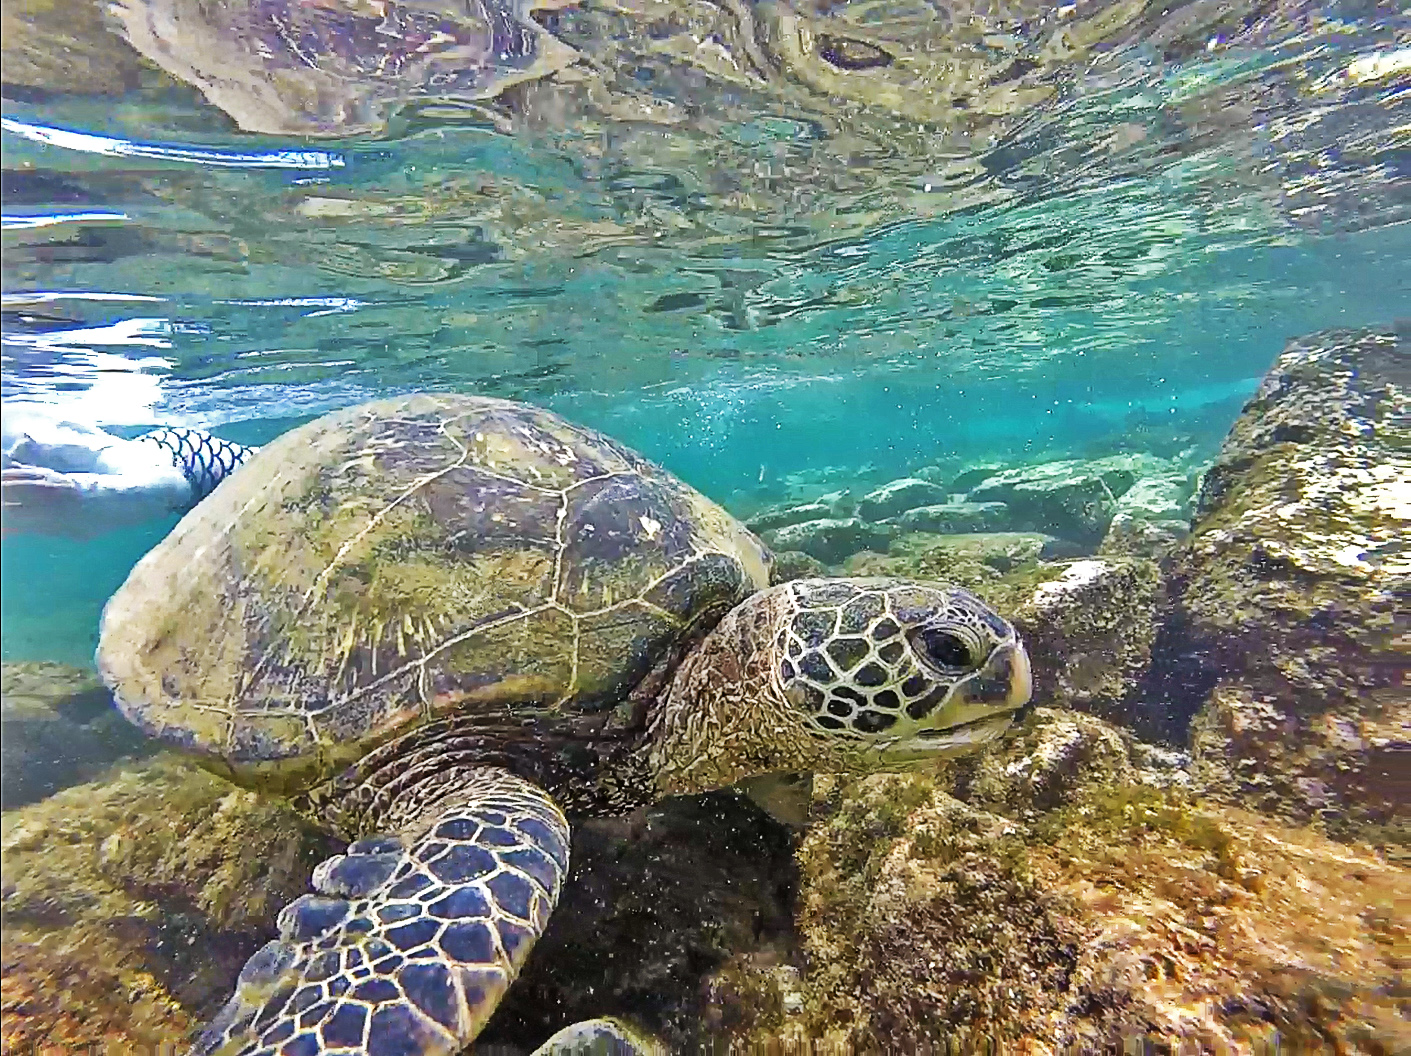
(412, 939)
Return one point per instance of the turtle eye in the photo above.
(945, 649)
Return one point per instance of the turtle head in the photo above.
(900, 672)
(853, 675)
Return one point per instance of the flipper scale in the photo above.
(406, 957)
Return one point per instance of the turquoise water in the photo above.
(774, 281)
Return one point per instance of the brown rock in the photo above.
(1289, 642)
(1075, 897)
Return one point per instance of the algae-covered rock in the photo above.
(1090, 625)
(159, 882)
(955, 518)
(1003, 551)
(654, 904)
(1132, 536)
(795, 564)
(830, 540)
(1294, 590)
(898, 496)
(1155, 499)
(140, 898)
(1059, 894)
(783, 516)
(971, 559)
(1070, 499)
(58, 727)
(1152, 517)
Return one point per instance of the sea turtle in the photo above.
(440, 625)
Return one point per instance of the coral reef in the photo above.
(1293, 593)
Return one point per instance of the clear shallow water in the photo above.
(742, 279)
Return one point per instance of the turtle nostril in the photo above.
(1004, 680)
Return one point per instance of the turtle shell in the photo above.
(391, 564)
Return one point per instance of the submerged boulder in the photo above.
(1131, 536)
(1154, 499)
(794, 564)
(1089, 626)
(955, 518)
(829, 539)
(1294, 590)
(1001, 550)
(1064, 892)
(1068, 499)
(140, 897)
(783, 516)
(130, 905)
(1152, 517)
(58, 727)
(898, 496)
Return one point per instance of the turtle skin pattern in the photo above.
(848, 658)
(408, 946)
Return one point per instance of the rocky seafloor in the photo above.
(1195, 841)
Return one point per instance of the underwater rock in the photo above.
(1058, 894)
(794, 564)
(1128, 536)
(80, 992)
(58, 727)
(955, 518)
(783, 516)
(1294, 588)
(976, 561)
(1090, 626)
(1152, 518)
(1070, 499)
(830, 540)
(1164, 498)
(974, 475)
(159, 881)
(898, 496)
(1001, 550)
(936, 474)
